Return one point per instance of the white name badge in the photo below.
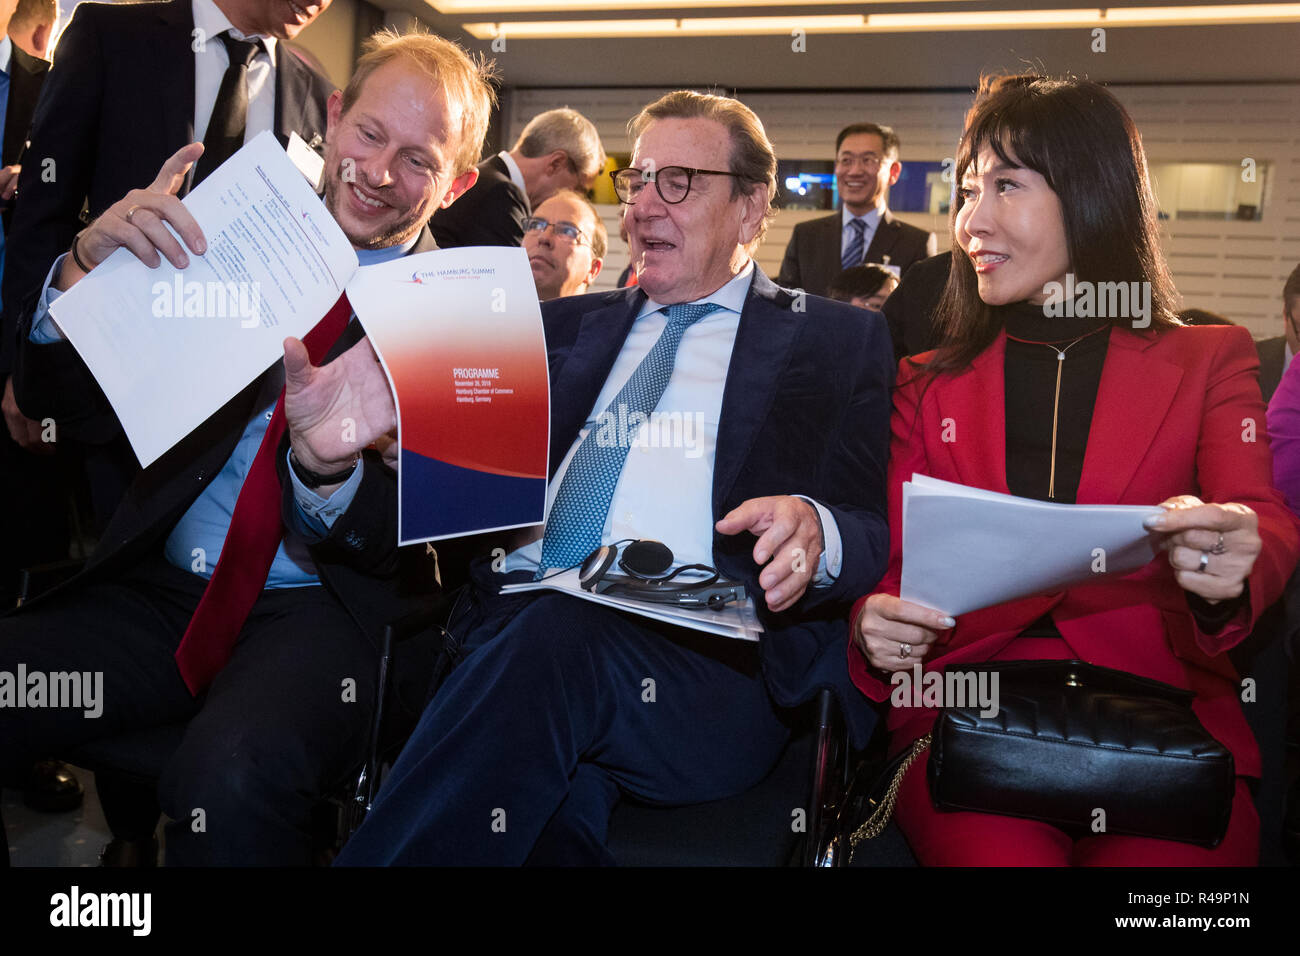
(310, 163)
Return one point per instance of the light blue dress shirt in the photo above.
(195, 543)
(665, 490)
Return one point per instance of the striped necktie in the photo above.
(856, 251)
(577, 518)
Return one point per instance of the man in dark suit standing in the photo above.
(243, 582)
(134, 83)
(561, 704)
(1276, 353)
(558, 149)
(863, 231)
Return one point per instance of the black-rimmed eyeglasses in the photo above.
(673, 183)
(566, 230)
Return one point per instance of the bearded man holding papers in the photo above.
(244, 579)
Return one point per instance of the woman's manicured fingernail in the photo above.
(1154, 521)
(948, 622)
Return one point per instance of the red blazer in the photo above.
(1176, 413)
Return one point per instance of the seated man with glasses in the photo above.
(565, 241)
(863, 231)
(561, 704)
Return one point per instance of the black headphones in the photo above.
(650, 574)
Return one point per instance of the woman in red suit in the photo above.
(1129, 409)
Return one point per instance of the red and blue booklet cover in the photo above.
(459, 333)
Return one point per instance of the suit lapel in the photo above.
(424, 243)
(171, 55)
(1135, 394)
(576, 387)
(884, 240)
(764, 341)
(292, 93)
(829, 241)
(26, 74)
(972, 420)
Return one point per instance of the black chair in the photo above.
(783, 821)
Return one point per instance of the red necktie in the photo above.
(253, 538)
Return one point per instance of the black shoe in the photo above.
(133, 853)
(52, 787)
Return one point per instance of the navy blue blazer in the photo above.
(805, 410)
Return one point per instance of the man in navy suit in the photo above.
(561, 704)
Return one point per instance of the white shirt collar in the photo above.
(731, 295)
(516, 174)
(872, 219)
(6, 53)
(209, 18)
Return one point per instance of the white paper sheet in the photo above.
(967, 548)
(171, 347)
(734, 621)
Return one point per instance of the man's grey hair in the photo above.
(568, 130)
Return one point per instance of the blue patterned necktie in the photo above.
(577, 517)
(855, 253)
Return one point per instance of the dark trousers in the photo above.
(283, 722)
(560, 705)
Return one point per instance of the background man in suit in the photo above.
(1276, 353)
(32, 26)
(566, 243)
(558, 149)
(548, 717)
(866, 165)
(135, 82)
(282, 714)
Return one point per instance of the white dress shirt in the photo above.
(665, 490)
(210, 63)
(516, 174)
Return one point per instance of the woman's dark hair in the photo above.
(1078, 137)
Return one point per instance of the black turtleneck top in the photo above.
(1030, 383)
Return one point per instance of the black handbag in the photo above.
(1070, 739)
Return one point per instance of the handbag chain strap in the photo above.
(876, 823)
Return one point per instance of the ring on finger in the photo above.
(131, 212)
(1205, 562)
(1218, 546)
(904, 651)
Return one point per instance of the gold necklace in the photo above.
(1056, 400)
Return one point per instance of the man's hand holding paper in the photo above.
(137, 222)
(335, 410)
